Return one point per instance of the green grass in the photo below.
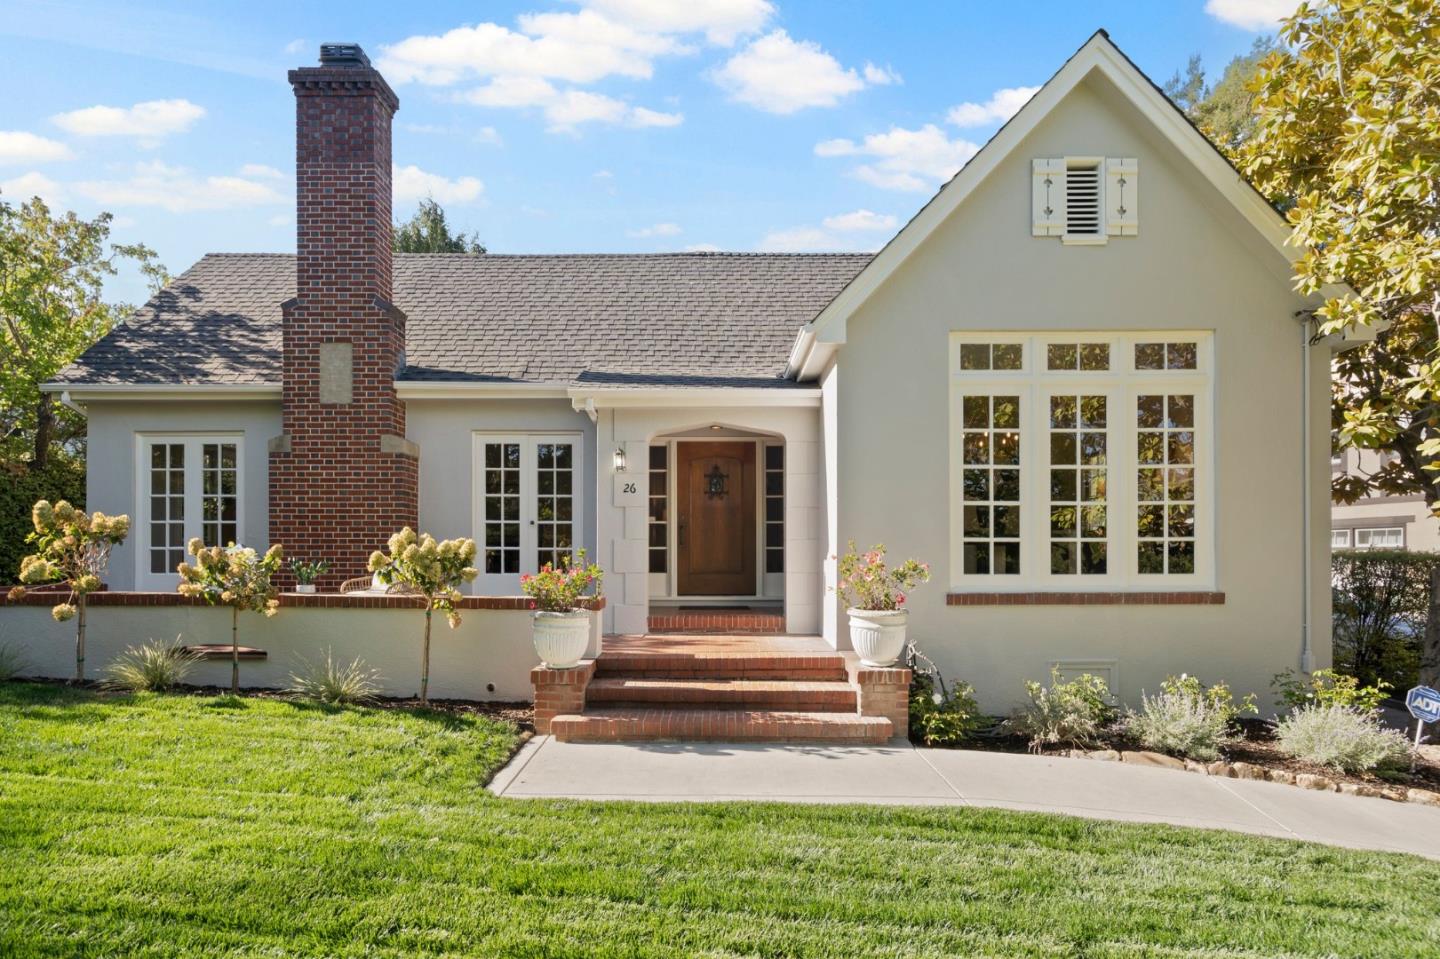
(169, 825)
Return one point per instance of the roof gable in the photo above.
(1098, 55)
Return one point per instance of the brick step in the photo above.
(831, 696)
(810, 667)
(720, 725)
(717, 620)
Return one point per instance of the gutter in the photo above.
(800, 351)
(70, 404)
(1307, 658)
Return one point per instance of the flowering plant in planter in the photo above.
(874, 594)
(433, 569)
(307, 573)
(561, 630)
(234, 576)
(867, 582)
(71, 547)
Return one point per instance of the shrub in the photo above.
(151, 666)
(866, 582)
(559, 589)
(1380, 601)
(1326, 687)
(1341, 737)
(12, 661)
(1065, 713)
(941, 715)
(334, 682)
(1187, 719)
(20, 487)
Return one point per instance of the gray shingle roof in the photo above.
(608, 320)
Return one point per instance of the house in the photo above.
(1393, 521)
(1077, 382)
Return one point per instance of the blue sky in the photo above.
(555, 126)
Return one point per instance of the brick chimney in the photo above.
(342, 475)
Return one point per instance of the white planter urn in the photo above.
(304, 587)
(561, 638)
(878, 635)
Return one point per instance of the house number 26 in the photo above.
(628, 488)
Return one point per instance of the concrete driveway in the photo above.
(906, 775)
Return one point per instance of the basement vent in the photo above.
(1082, 198)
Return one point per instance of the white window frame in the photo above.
(1344, 537)
(508, 584)
(1379, 529)
(194, 480)
(1122, 384)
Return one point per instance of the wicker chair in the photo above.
(362, 584)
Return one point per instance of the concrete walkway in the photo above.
(905, 775)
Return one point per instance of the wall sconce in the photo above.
(619, 460)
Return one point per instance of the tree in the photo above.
(234, 576)
(52, 269)
(428, 232)
(432, 570)
(71, 547)
(1224, 112)
(1347, 140)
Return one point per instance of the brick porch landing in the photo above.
(716, 619)
(740, 688)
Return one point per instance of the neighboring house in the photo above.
(1095, 413)
(1379, 522)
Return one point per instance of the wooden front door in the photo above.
(715, 509)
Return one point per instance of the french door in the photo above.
(527, 506)
(187, 486)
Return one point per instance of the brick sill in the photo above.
(1191, 598)
(287, 600)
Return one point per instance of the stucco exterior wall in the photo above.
(488, 657)
(112, 430)
(444, 430)
(623, 529)
(1195, 265)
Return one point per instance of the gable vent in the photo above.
(1083, 215)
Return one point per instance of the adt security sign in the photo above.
(1424, 704)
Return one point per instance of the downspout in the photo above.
(1306, 564)
(70, 404)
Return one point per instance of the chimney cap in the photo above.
(343, 55)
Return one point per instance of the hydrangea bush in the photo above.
(71, 547)
(558, 589)
(434, 571)
(234, 576)
(867, 582)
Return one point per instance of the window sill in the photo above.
(1148, 598)
(1084, 239)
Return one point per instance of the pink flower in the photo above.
(899, 599)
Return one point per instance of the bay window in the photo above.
(1080, 461)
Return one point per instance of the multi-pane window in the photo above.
(1339, 539)
(774, 509)
(1388, 537)
(658, 498)
(167, 506)
(501, 522)
(189, 487)
(990, 445)
(554, 502)
(1080, 461)
(1165, 483)
(1078, 479)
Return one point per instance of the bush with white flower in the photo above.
(71, 547)
(866, 581)
(432, 569)
(234, 576)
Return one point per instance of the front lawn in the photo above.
(185, 825)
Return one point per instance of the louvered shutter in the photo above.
(1047, 197)
(1122, 196)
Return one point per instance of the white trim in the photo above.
(86, 393)
(1098, 54)
(144, 579)
(688, 398)
(1377, 529)
(508, 584)
(463, 389)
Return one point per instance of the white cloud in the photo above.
(261, 170)
(178, 190)
(18, 146)
(21, 188)
(643, 117)
(722, 21)
(860, 221)
(412, 183)
(489, 136)
(295, 46)
(901, 159)
(565, 109)
(149, 120)
(780, 75)
(880, 76)
(1254, 15)
(1001, 106)
(800, 239)
(702, 248)
(282, 219)
(658, 229)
